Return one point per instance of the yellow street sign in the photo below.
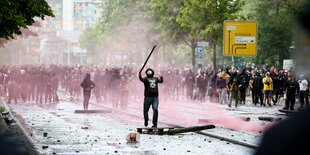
(240, 38)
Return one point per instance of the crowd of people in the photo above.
(119, 86)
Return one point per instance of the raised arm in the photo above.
(140, 76)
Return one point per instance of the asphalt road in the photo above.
(56, 129)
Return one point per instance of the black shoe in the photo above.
(154, 126)
(146, 123)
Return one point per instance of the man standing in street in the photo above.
(268, 86)
(87, 86)
(303, 93)
(292, 89)
(150, 95)
(233, 84)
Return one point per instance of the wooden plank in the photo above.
(93, 111)
(190, 129)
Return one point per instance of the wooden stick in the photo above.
(147, 59)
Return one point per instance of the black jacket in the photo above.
(291, 87)
(87, 84)
(220, 83)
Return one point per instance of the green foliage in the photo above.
(2, 109)
(90, 39)
(165, 12)
(117, 13)
(123, 26)
(275, 27)
(175, 23)
(203, 19)
(16, 14)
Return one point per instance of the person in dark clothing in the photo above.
(281, 81)
(189, 82)
(114, 87)
(244, 79)
(258, 87)
(87, 86)
(201, 85)
(275, 90)
(233, 84)
(124, 92)
(97, 90)
(13, 91)
(292, 89)
(55, 85)
(212, 91)
(40, 85)
(150, 95)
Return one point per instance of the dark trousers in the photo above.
(275, 98)
(290, 102)
(148, 101)
(253, 95)
(86, 100)
(258, 95)
(189, 92)
(304, 97)
(242, 95)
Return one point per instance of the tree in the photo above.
(166, 14)
(203, 19)
(275, 26)
(90, 39)
(123, 27)
(17, 15)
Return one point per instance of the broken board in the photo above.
(92, 111)
(153, 130)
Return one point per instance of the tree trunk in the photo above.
(193, 46)
(214, 55)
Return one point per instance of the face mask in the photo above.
(149, 72)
